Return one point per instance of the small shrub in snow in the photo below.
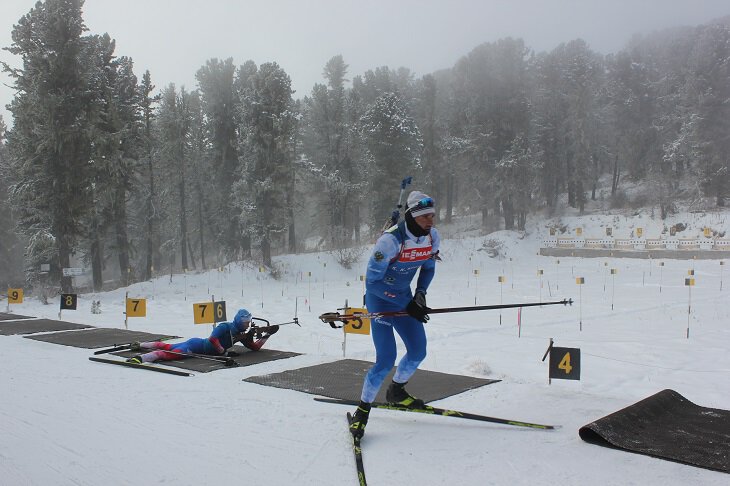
(493, 248)
(479, 367)
(347, 257)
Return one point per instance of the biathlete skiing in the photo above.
(404, 250)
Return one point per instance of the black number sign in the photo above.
(68, 301)
(565, 363)
(219, 311)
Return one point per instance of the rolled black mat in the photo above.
(668, 426)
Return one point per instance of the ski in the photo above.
(357, 450)
(429, 410)
(141, 366)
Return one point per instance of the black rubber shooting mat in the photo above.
(30, 326)
(668, 426)
(344, 378)
(10, 317)
(245, 358)
(96, 337)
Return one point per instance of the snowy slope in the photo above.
(66, 420)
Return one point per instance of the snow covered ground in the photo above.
(68, 421)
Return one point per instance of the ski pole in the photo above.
(331, 317)
(122, 347)
(219, 359)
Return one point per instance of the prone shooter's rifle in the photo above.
(258, 331)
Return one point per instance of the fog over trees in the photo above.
(103, 167)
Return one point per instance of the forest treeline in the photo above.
(102, 166)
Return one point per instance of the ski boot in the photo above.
(360, 420)
(136, 359)
(397, 395)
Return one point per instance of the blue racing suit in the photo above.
(395, 259)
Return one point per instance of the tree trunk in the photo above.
(356, 222)
(720, 197)
(150, 260)
(571, 194)
(449, 197)
(148, 257)
(615, 177)
(120, 226)
(246, 247)
(266, 249)
(64, 260)
(96, 251)
(96, 262)
(508, 213)
(553, 197)
(192, 254)
(521, 220)
(580, 196)
(183, 227)
(292, 235)
(201, 236)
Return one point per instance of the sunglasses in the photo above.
(426, 202)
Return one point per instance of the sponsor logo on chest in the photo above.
(415, 254)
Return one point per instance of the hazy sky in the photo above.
(174, 38)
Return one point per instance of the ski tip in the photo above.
(544, 427)
(340, 401)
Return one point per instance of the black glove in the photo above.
(250, 334)
(417, 309)
(232, 354)
(272, 330)
(230, 362)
